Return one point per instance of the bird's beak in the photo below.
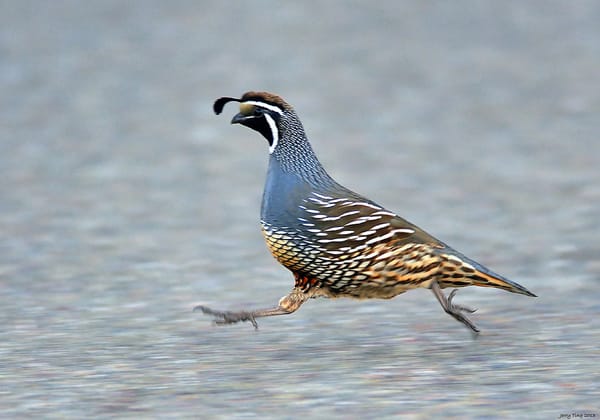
(239, 118)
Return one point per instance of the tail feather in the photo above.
(495, 280)
(478, 275)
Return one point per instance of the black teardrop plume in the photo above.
(220, 103)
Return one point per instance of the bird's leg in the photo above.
(456, 311)
(287, 305)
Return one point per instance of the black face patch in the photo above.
(259, 123)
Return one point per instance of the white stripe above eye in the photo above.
(274, 132)
(265, 106)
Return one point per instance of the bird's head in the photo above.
(260, 111)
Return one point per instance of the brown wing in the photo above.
(365, 250)
(342, 226)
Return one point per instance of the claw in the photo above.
(458, 307)
(227, 317)
(456, 311)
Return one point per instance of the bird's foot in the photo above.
(456, 311)
(459, 307)
(228, 317)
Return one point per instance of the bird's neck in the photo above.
(295, 155)
(293, 175)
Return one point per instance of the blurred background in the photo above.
(124, 202)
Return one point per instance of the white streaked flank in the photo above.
(384, 213)
(320, 216)
(380, 226)
(325, 197)
(362, 203)
(380, 238)
(334, 228)
(328, 241)
(363, 219)
(403, 230)
(333, 218)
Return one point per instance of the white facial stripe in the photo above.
(266, 106)
(274, 132)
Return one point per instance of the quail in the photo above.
(336, 242)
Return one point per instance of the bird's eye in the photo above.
(258, 111)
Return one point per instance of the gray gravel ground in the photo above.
(124, 202)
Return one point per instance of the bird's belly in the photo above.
(285, 248)
(368, 285)
(360, 276)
